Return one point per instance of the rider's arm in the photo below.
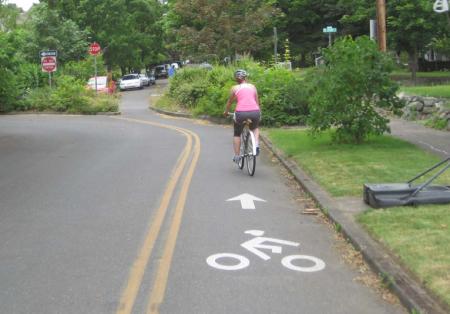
(256, 92)
(230, 101)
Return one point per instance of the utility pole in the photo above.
(381, 22)
(275, 36)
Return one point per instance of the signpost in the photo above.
(330, 30)
(48, 63)
(95, 50)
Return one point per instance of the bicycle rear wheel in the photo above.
(242, 152)
(250, 146)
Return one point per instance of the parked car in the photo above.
(102, 85)
(130, 81)
(151, 78)
(179, 64)
(161, 71)
(145, 79)
(205, 66)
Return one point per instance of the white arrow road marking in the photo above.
(254, 244)
(247, 200)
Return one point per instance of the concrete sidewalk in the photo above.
(433, 141)
(341, 210)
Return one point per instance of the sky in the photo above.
(24, 4)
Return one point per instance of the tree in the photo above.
(412, 25)
(47, 30)
(129, 31)
(303, 22)
(222, 26)
(356, 76)
(8, 59)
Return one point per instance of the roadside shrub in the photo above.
(356, 76)
(437, 123)
(283, 96)
(30, 76)
(8, 90)
(69, 95)
(38, 99)
(188, 94)
(214, 101)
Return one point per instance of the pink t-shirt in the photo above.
(246, 99)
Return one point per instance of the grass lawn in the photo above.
(343, 169)
(420, 74)
(442, 91)
(419, 236)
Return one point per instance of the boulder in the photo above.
(429, 101)
(418, 106)
(428, 110)
(406, 113)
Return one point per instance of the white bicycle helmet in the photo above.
(240, 73)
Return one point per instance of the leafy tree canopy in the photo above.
(220, 27)
(47, 30)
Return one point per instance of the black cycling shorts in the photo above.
(241, 116)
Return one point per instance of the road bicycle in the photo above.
(248, 148)
(309, 264)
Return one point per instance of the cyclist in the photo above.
(247, 107)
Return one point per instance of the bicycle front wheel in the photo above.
(250, 147)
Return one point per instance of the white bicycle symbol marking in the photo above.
(257, 243)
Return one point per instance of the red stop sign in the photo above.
(48, 64)
(94, 49)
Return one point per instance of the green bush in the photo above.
(38, 99)
(68, 95)
(356, 76)
(283, 96)
(30, 76)
(437, 123)
(9, 92)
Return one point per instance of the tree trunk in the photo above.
(123, 71)
(415, 65)
(302, 60)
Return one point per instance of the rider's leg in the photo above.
(256, 133)
(237, 145)
(237, 138)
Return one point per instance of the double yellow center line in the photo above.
(137, 273)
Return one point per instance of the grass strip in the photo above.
(343, 169)
(440, 91)
(419, 236)
(420, 74)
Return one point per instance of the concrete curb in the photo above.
(410, 293)
(221, 121)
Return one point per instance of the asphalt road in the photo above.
(133, 214)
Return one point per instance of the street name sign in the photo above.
(48, 53)
(330, 29)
